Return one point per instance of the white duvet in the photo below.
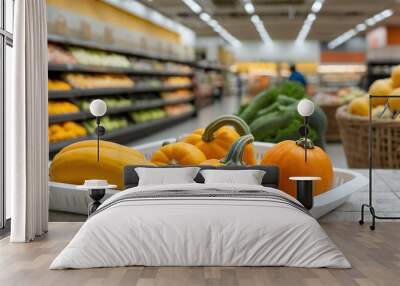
(200, 231)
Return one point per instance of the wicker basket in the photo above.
(332, 132)
(385, 140)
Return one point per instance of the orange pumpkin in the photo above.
(212, 162)
(289, 156)
(216, 139)
(235, 154)
(179, 153)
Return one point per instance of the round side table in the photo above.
(305, 190)
(97, 190)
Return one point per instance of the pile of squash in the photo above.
(216, 145)
(380, 88)
(64, 131)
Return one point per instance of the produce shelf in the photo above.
(210, 67)
(112, 48)
(127, 134)
(113, 70)
(76, 92)
(132, 131)
(84, 115)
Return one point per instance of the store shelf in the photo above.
(54, 94)
(127, 134)
(133, 131)
(210, 67)
(113, 70)
(84, 115)
(378, 69)
(131, 52)
(112, 48)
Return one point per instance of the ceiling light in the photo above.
(311, 17)
(213, 23)
(249, 7)
(205, 17)
(258, 23)
(255, 19)
(360, 28)
(196, 8)
(261, 29)
(316, 7)
(387, 13)
(378, 17)
(370, 22)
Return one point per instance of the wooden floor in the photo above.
(375, 257)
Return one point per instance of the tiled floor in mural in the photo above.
(386, 186)
(386, 198)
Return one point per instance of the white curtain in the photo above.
(27, 124)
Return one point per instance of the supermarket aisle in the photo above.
(228, 105)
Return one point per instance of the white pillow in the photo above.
(248, 177)
(166, 176)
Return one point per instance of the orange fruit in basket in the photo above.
(359, 106)
(381, 87)
(394, 103)
(396, 76)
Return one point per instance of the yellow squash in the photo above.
(103, 144)
(216, 139)
(77, 165)
(179, 153)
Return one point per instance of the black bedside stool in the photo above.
(96, 190)
(305, 190)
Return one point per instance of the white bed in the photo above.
(199, 231)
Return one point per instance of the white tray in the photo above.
(65, 197)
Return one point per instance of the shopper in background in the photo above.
(297, 76)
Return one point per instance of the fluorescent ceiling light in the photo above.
(255, 19)
(249, 7)
(213, 23)
(360, 28)
(205, 17)
(196, 8)
(387, 13)
(370, 22)
(258, 23)
(311, 17)
(316, 7)
(378, 18)
(261, 29)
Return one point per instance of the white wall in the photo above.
(187, 35)
(278, 51)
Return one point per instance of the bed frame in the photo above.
(270, 179)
